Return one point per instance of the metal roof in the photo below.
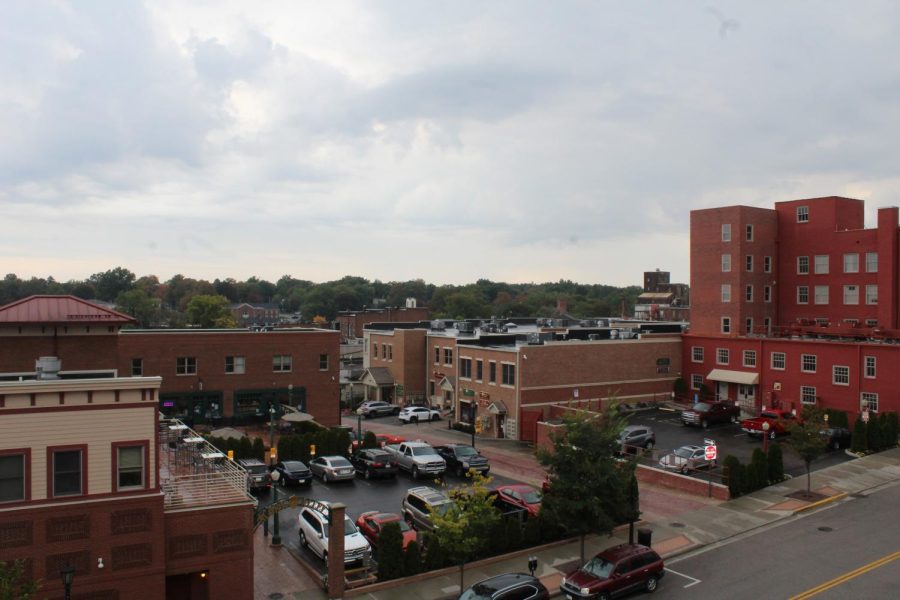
(59, 309)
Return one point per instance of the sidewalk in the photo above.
(672, 536)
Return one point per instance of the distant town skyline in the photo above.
(512, 141)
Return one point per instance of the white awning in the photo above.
(733, 376)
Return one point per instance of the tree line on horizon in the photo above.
(183, 300)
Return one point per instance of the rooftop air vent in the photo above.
(47, 367)
(464, 327)
(534, 339)
(438, 325)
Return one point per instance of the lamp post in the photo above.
(271, 429)
(359, 438)
(290, 394)
(276, 533)
(765, 428)
(68, 574)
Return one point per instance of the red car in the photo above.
(519, 496)
(387, 438)
(370, 525)
(615, 572)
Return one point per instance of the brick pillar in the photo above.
(887, 267)
(336, 552)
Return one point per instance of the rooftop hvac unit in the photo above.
(534, 339)
(613, 334)
(593, 336)
(587, 323)
(464, 326)
(438, 325)
(47, 367)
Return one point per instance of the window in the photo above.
(749, 261)
(851, 294)
(465, 368)
(802, 294)
(696, 381)
(749, 358)
(448, 357)
(384, 351)
(186, 365)
(235, 364)
(281, 363)
(869, 371)
(374, 350)
(492, 372)
(13, 476)
(67, 475)
(437, 355)
(323, 361)
(840, 375)
(749, 233)
(821, 265)
(851, 263)
(722, 356)
(130, 466)
(748, 293)
(821, 294)
(803, 265)
(137, 367)
(871, 322)
(767, 264)
(808, 363)
(871, 294)
(869, 401)
(778, 360)
(509, 374)
(766, 322)
(871, 262)
(726, 263)
(726, 232)
(748, 325)
(807, 394)
(767, 293)
(803, 214)
(726, 292)
(697, 354)
(390, 352)
(726, 324)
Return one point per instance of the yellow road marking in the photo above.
(846, 577)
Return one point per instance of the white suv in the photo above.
(314, 535)
(414, 414)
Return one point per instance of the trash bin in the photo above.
(644, 536)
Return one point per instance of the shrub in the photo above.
(775, 461)
(369, 440)
(412, 560)
(389, 552)
(734, 474)
(245, 448)
(259, 449)
(435, 558)
(549, 527)
(837, 418)
(759, 463)
(748, 478)
(873, 433)
(893, 428)
(859, 439)
(531, 533)
(513, 534)
(496, 538)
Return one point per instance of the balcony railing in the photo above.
(194, 473)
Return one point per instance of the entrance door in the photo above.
(188, 586)
(501, 425)
(747, 395)
(722, 390)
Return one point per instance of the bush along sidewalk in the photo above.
(880, 433)
(763, 470)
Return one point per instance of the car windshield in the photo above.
(441, 509)
(477, 592)
(349, 527)
(768, 415)
(258, 469)
(424, 451)
(294, 466)
(466, 451)
(533, 497)
(684, 452)
(598, 567)
(340, 462)
(702, 406)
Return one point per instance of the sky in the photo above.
(450, 141)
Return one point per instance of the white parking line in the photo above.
(693, 580)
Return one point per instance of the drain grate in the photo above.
(825, 528)
(276, 596)
(676, 524)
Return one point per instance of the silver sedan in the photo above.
(686, 458)
(332, 468)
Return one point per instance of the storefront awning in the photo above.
(733, 376)
(497, 407)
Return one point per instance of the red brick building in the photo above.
(352, 323)
(795, 305)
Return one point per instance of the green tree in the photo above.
(513, 534)
(145, 308)
(110, 284)
(369, 440)
(775, 461)
(760, 465)
(734, 474)
(807, 440)
(873, 433)
(859, 440)
(389, 552)
(209, 311)
(412, 560)
(13, 585)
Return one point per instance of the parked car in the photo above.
(419, 503)
(614, 572)
(374, 462)
(371, 523)
(387, 438)
(332, 468)
(377, 408)
(293, 472)
(838, 437)
(508, 586)
(686, 458)
(314, 535)
(779, 421)
(705, 414)
(461, 458)
(633, 437)
(518, 496)
(417, 458)
(414, 414)
(258, 478)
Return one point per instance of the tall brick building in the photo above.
(796, 305)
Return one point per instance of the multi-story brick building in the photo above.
(796, 305)
(263, 313)
(352, 322)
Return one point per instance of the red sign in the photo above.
(710, 453)
(483, 395)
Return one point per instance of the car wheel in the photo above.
(836, 445)
(651, 584)
(684, 470)
(649, 445)
(704, 423)
(414, 419)
(603, 596)
(283, 481)
(324, 477)
(772, 435)
(435, 417)
(415, 472)
(460, 472)
(734, 419)
(368, 474)
(303, 541)
(324, 554)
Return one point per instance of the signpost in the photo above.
(710, 453)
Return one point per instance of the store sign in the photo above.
(484, 395)
(468, 392)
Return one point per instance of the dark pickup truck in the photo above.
(705, 414)
(461, 458)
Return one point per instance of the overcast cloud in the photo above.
(516, 141)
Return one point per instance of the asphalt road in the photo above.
(848, 549)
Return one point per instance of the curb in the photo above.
(828, 500)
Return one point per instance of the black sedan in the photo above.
(374, 462)
(293, 472)
(838, 437)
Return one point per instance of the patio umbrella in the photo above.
(227, 432)
(296, 417)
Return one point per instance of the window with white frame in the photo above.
(749, 358)
(726, 292)
(821, 294)
(851, 294)
(821, 266)
(840, 375)
(726, 232)
(869, 401)
(697, 354)
(721, 356)
(465, 368)
(726, 263)
(748, 325)
(323, 359)
(748, 293)
(235, 364)
(282, 363)
(508, 372)
(803, 265)
(803, 214)
(869, 371)
(766, 322)
(448, 357)
(871, 262)
(749, 261)
(767, 293)
(726, 324)
(851, 263)
(696, 381)
(871, 294)
(808, 363)
(802, 294)
(767, 264)
(778, 360)
(807, 394)
(749, 233)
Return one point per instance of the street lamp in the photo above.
(271, 429)
(68, 574)
(290, 394)
(765, 428)
(276, 533)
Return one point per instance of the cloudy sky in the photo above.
(516, 141)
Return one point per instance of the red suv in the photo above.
(615, 572)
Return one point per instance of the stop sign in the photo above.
(710, 453)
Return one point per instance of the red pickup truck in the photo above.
(778, 421)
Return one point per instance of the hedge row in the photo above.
(763, 470)
(880, 433)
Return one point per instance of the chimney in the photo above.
(562, 306)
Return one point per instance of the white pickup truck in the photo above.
(418, 458)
